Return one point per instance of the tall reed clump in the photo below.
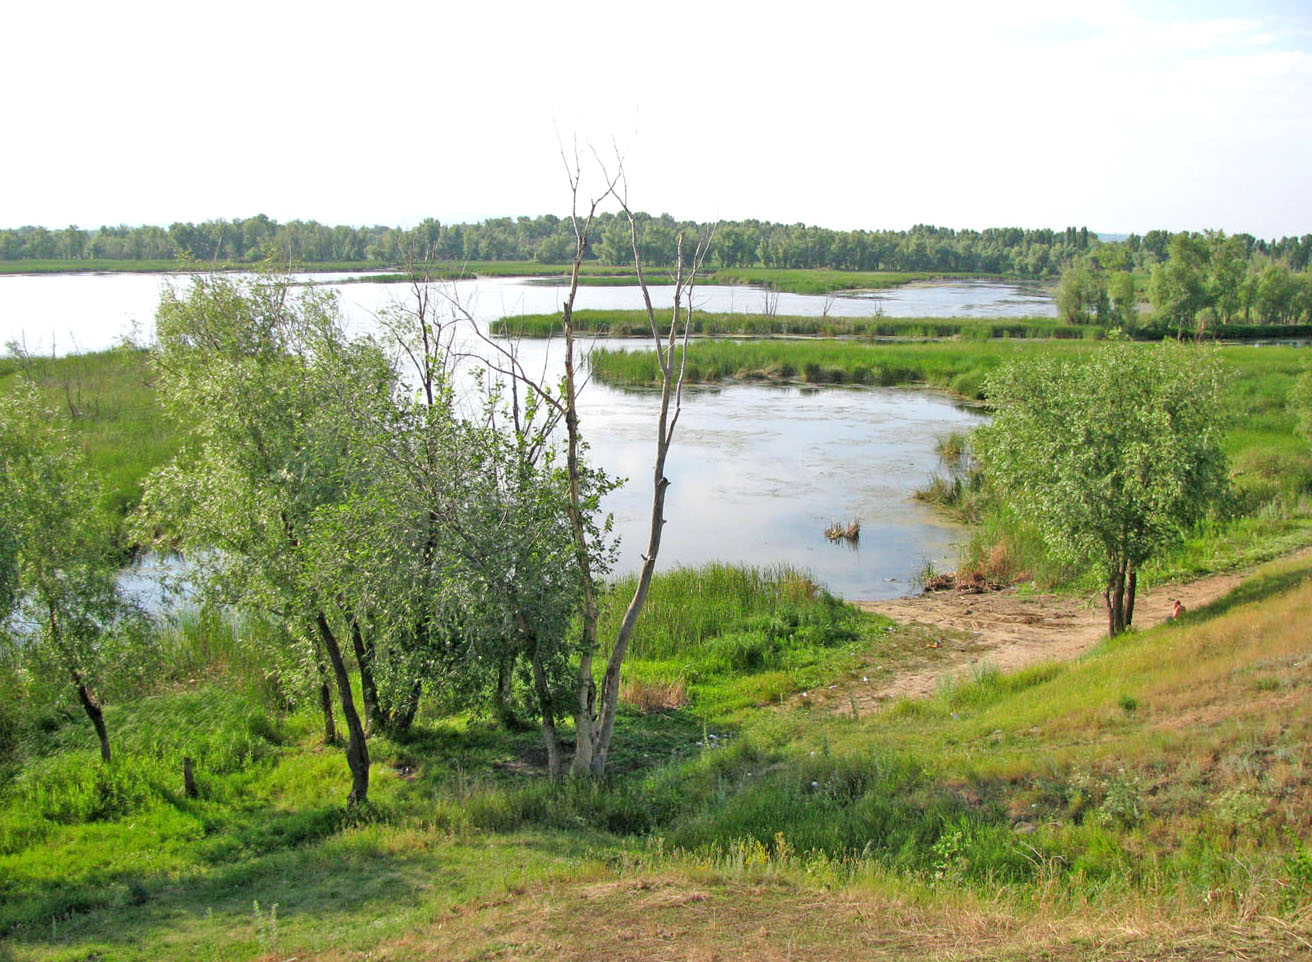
(958, 485)
(112, 410)
(688, 608)
(243, 653)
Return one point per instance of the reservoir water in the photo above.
(757, 471)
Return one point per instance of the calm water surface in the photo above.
(757, 471)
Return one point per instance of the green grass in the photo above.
(1036, 795)
(112, 409)
(726, 638)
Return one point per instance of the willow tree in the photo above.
(1114, 456)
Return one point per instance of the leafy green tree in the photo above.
(1082, 295)
(59, 599)
(1125, 301)
(1278, 294)
(1227, 263)
(266, 380)
(1114, 456)
(615, 248)
(1178, 290)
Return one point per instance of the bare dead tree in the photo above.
(594, 717)
(595, 708)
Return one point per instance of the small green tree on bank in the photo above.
(60, 604)
(1114, 456)
(265, 378)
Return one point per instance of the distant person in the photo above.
(1176, 610)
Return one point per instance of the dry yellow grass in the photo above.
(649, 695)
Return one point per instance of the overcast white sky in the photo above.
(1116, 116)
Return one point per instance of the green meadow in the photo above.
(1148, 800)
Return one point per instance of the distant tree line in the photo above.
(548, 239)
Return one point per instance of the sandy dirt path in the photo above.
(1010, 631)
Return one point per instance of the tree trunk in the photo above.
(1129, 596)
(357, 751)
(1114, 597)
(94, 712)
(546, 707)
(326, 704)
(503, 707)
(364, 657)
(404, 716)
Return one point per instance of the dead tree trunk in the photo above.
(594, 722)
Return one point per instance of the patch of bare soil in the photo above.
(1009, 630)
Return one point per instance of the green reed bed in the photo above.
(617, 323)
(725, 637)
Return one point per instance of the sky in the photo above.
(1118, 116)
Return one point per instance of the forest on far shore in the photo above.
(549, 239)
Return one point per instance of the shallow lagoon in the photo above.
(757, 471)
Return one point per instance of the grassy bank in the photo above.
(712, 324)
(952, 366)
(1152, 795)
